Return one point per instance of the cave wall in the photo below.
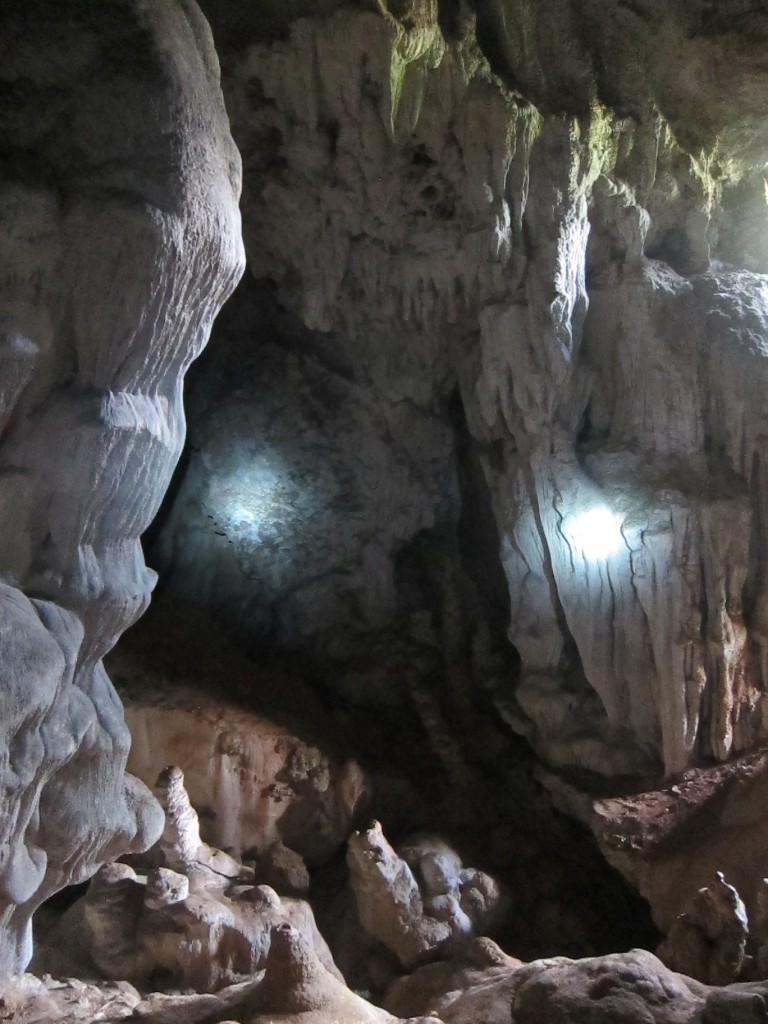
(486, 415)
(120, 239)
(520, 238)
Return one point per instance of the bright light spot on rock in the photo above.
(261, 498)
(249, 496)
(239, 513)
(596, 532)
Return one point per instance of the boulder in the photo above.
(419, 901)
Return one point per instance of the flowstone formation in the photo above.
(420, 901)
(196, 921)
(500, 376)
(119, 240)
(200, 939)
(481, 446)
(265, 771)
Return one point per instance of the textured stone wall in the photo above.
(119, 240)
(549, 220)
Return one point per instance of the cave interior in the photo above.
(384, 511)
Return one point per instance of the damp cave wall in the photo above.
(504, 294)
(505, 267)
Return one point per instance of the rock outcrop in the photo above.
(256, 783)
(430, 990)
(625, 988)
(620, 989)
(420, 901)
(670, 841)
(119, 241)
(261, 768)
(512, 242)
(198, 921)
(708, 940)
(484, 437)
(205, 927)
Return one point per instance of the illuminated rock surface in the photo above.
(119, 238)
(500, 371)
(256, 784)
(480, 445)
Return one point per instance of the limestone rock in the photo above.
(708, 941)
(735, 1005)
(186, 927)
(388, 899)
(96, 937)
(165, 887)
(26, 999)
(180, 841)
(160, 1008)
(305, 532)
(119, 239)
(431, 989)
(571, 275)
(262, 761)
(627, 988)
(295, 981)
(256, 782)
(180, 844)
(699, 64)
(669, 841)
(519, 241)
(283, 869)
(618, 989)
(160, 932)
(760, 931)
(422, 902)
(210, 940)
(470, 899)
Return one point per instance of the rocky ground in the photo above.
(190, 933)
